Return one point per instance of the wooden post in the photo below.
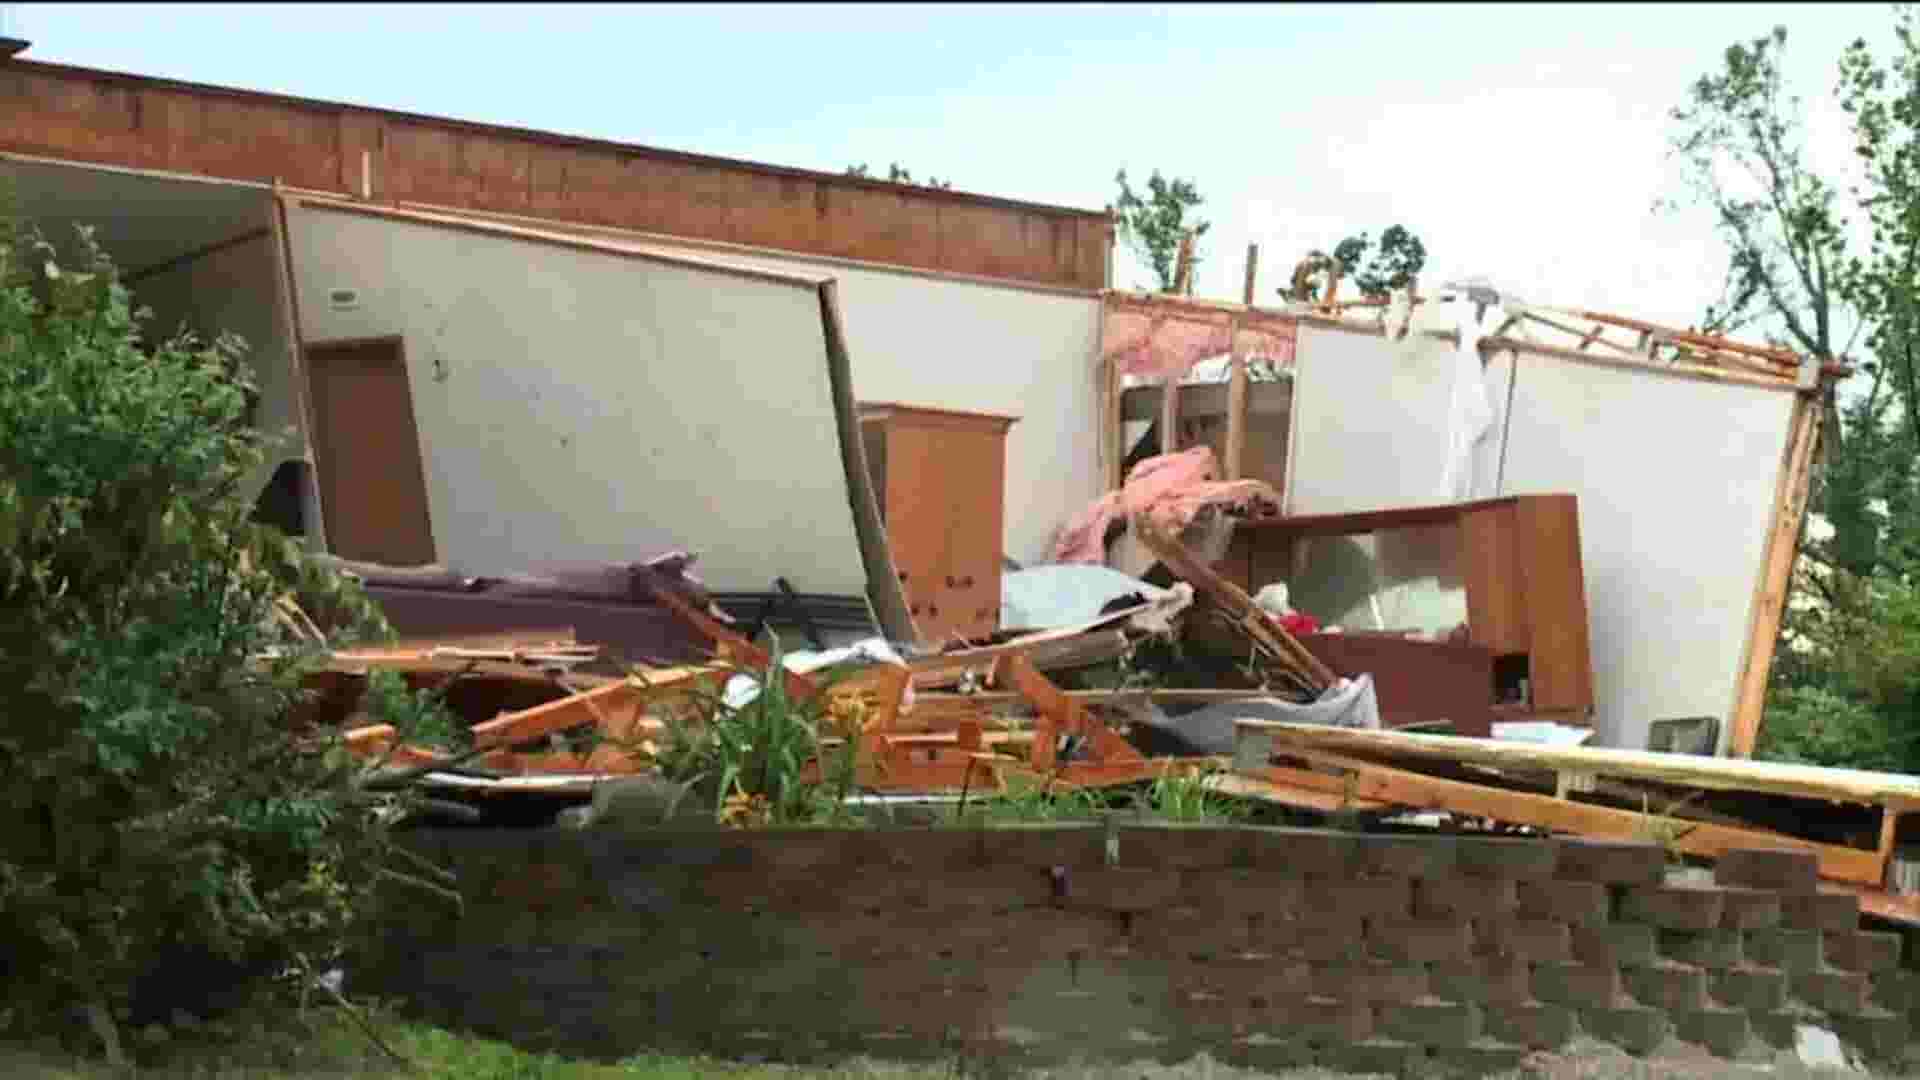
(1106, 377)
(1170, 383)
(1170, 412)
(1776, 579)
(1237, 387)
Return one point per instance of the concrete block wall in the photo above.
(1265, 947)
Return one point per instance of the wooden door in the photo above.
(373, 489)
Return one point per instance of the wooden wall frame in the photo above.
(1712, 359)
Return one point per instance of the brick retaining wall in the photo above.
(1265, 947)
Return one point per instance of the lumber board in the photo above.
(1170, 413)
(1385, 784)
(617, 710)
(939, 702)
(1045, 647)
(726, 640)
(1680, 770)
(558, 638)
(422, 664)
(1259, 625)
(1237, 380)
(1290, 787)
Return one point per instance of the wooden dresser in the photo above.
(941, 477)
(1515, 559)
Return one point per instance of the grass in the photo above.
(322, 1044)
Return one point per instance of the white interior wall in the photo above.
(579, 405)
(1674, 477)
(233, 290)
(1676, 484)
(952, 344)
(1370, 422)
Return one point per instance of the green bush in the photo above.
(1815, 725)
(157, 800)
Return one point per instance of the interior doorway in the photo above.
(373, 488)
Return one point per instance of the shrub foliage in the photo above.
(159, 801)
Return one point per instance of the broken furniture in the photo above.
(940, 478)
(1509, 569)
(1418, 682)
(604, 604)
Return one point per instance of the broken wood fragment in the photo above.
(728, 642)
(1384, 784)
(617, 710)
(1263, 628)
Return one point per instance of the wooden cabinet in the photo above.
(940, 476)
(1515, 559)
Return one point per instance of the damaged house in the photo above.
(859, 402)
(497, 349)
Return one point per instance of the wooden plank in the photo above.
(1705, 341)
(1237, 384)
(1170, 414)
(727, 641)
(989, 699)
(1261, 626)
(1371, 520)
(617, 710)
(1292, 787)
(1776, 576)
(1113, 410)
(945, 669)
(1400, 787)
(1679, 770)
(1058, 713)
(453, 665)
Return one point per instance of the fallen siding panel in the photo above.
(579, 405)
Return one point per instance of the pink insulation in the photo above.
(1171, 489)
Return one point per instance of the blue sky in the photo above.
(1521, 142)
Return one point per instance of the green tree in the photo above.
(1739, 140)
(159, 798)
(1378, 269)
(1807, 255)
(1154, 225)
(898, 174)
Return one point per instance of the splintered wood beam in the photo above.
(1298, 788)
(1059, 714)
(728, 642)
(610, 707)
(1684, 771)
(1170, 413)
(504, 641)
(1262, 627)
(1400, 787)
(1776, 578)
(1090, 642)
(883, 687)
(1705, 341)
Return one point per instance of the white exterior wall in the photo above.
(1675, 479)
(234, 290)
(583, 406)
(952, 344)
(1676, 483)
